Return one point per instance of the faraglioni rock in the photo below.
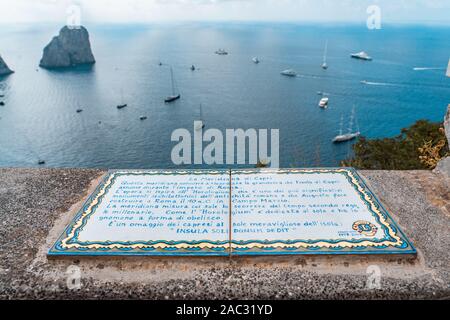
(70, 48)
(4, 69)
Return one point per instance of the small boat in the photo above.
(255, 60)
(221, 52)
(122, 105)
(174, 96)
(324, 64)
(347, 136)
(2, 103)
(200, 125)
(323, 103)
(160, 63)
(289, 73)
(142, 118)
(41, 162)
(79, 110)
(361, 55)
(192, 68)
(2, 95)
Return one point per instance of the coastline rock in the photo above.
(70, 48)
(4, 69)
(443, 166)
(447, 124)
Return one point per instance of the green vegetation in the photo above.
(420, 146)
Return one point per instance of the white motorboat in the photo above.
(255, 60)
(361, 55)
(289, 73)
(323, 103)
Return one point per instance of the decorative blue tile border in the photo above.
(395, 241)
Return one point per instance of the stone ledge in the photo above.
(36, 205)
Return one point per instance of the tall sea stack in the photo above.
(70, 48)
(4, 69)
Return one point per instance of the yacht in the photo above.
(323, 103)
(289, 73)
(221, 52)
(350, 135)
(361, 55)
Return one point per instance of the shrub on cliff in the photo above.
(420, 146)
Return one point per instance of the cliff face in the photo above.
(447, 124)
(4, 69)
(70, 48)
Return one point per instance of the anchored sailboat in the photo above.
(122, 105)
(174, 96)
(324, 64)
(350, 135)
(200, 124)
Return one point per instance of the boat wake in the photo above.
(370, 83)
(309, 76)
(426, 68)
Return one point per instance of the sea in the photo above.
(405, 82)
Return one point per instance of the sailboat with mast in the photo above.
(200, 124)
(122, 104)
(350, 135)
(174, 96)
(324, 64)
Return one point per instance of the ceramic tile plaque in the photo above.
(189, 212)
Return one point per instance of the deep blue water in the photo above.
(39, 119)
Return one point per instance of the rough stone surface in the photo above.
(443, 166)
(447, 124)
(70, 48)
(4, 69)
(37, 204)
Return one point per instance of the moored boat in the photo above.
(289, 73)
(221, 52)
(361, 55)
(350, 135)
(323, 103)
(174, 96)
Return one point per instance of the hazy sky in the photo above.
(138, 11)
